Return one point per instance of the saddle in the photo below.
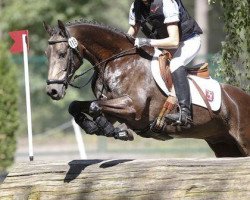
(200, 70)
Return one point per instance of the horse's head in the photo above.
(64, 56)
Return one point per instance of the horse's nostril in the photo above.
(54, 92)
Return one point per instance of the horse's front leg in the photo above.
(121, 107)
(78, 109)
(99, 125)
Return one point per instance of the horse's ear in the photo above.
(63, 29)
(47, 28)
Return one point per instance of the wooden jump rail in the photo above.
(129, 179)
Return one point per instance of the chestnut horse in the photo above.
(126, 92)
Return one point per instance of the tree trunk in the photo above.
(130, 179)
(201, 16)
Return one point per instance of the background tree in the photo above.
(29, 14)
(235, 60)
(8, 109)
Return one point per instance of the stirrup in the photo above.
(187, 118)
(184, 124)
(180, 119)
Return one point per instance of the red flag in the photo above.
(17, 47)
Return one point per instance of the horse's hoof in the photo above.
(124, 135)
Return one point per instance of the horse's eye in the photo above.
(62, 55)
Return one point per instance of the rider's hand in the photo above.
(139, 42)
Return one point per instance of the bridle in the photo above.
(73, 50)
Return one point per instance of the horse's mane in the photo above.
(93, 22)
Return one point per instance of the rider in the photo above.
(167, 25)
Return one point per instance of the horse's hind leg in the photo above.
(236, 103)
(226, 147)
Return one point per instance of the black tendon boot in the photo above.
(109, 130)
(182, 91)
(81, 119)
(106, 128)
(86, 124)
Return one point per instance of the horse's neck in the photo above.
(101, 43)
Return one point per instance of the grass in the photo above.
(98, 145)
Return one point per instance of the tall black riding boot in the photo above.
(182, 91)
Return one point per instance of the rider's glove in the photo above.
(139, 42)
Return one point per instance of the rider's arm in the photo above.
(134, 25)
(170, 42)
(133, 30)
(171, 13)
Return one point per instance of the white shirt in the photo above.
(170, 10)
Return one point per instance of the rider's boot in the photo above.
(183, 118)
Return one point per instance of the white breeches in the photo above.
(185, 53)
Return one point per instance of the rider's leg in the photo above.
(184, 54)
(184, 99)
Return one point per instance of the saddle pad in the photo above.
(210, 87)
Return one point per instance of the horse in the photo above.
(127, 93)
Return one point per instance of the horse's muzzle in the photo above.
(56, 91)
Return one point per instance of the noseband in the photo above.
(73, 50)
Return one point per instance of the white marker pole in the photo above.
(27, 90)
(79, 140)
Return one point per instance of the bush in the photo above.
(8, 108)
(235, 60)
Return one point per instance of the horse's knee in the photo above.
(94, 109)
(73, 108)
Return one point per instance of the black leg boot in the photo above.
(109, 130)
(86, 124)
(82, 120)
(182, 91)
